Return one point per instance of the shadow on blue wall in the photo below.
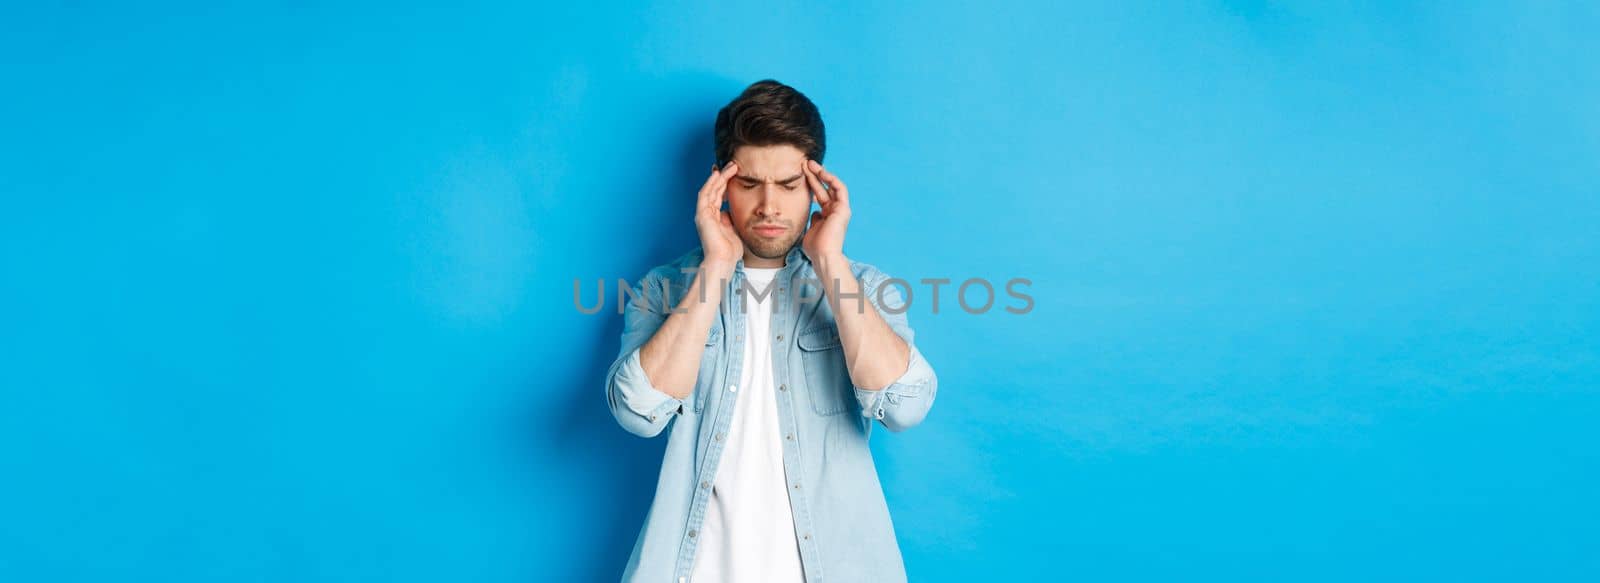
(625, 467)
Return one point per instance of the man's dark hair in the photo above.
(769, 113)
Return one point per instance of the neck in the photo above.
(750, 260)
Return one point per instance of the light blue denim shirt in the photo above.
(840, 517)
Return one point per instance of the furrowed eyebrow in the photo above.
(785, 181)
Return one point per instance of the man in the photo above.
(767, 475)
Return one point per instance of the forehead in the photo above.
(777, 162)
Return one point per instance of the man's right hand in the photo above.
(671, 357)
(717, 237)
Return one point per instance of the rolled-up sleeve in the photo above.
(906, 401)
(640, 407)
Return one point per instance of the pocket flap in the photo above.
(819, 339)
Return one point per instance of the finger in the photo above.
(709, 195)
(815, 186)
(703, 199)
(729, 170)
(838, 189)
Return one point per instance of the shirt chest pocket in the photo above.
(710, 364)
(827, 378)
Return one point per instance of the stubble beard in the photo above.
(771, 248)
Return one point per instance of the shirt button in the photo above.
(797, 485)
(780, 337)
(733, 388)
(791, 437)
(808, 536)
(719, 438)
(704, 485)
(783, 387)
(691, 534)
(652, 418)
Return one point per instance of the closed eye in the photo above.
(789, 183)
(789, 187)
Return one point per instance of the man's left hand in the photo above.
(825, 238)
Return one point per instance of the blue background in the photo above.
(286, 290)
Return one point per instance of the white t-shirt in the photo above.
(748, 534)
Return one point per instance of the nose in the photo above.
(767, 205)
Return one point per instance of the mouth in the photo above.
(769, 230)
